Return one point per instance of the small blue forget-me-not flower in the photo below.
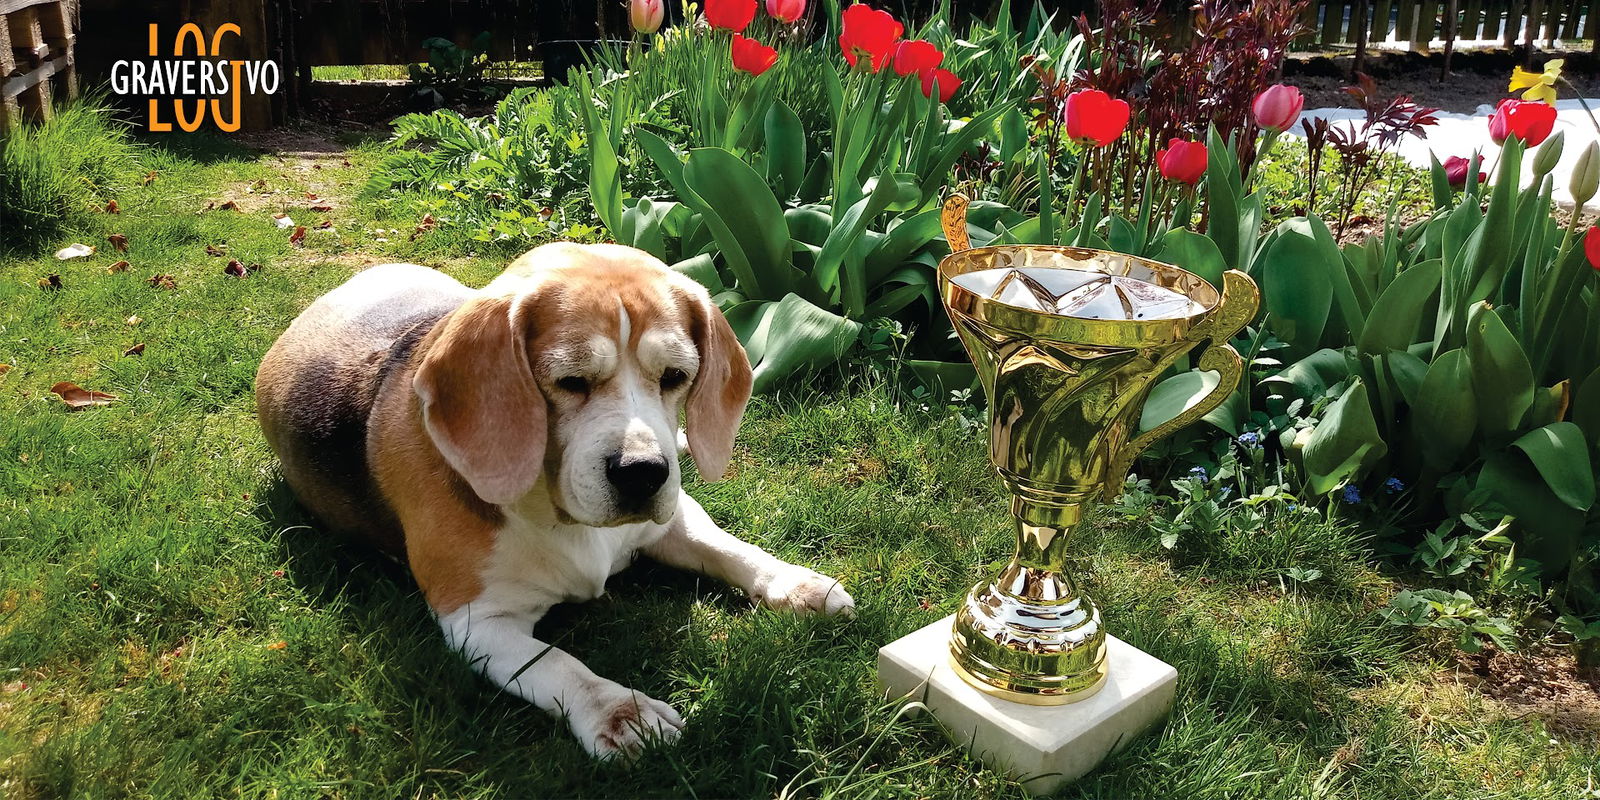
(1352, 495)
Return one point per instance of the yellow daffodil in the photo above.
(1540, 86)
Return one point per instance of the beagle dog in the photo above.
(518, 445)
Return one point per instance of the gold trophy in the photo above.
(1068, 342)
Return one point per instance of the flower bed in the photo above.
(1428, 355)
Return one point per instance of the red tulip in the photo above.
(752, 56)
(916, 55)
(786, 10)
(1093, 116)
(1455, 171)
(944, 79)
(1529, 121)
(1278, 107)
(868, 32)
(1591, 247)
(730, 15)
(1181, 161)
(645, 15)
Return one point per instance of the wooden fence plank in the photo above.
(1380, 20)
(1552, 21)
(1471, 20)
(1407, 20)
(1590, 18)
(1332, 17)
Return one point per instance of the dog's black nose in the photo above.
(636, 477)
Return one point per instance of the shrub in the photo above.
(54, 174)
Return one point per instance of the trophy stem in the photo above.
(1028, 634)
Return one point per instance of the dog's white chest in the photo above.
(543, 565)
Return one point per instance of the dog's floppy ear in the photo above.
(719, 393)
(480, 404)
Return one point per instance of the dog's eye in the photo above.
(673, 378)
(574, 384)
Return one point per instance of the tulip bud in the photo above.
(1277, 107)
(786, 10)
(1585, 175)
(645, 15)
(1549, 154)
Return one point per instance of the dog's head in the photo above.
(575, 364)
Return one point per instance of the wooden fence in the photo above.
(36, 57)
(1424, 25)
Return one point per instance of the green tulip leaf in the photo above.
(1395, 317)
(1345, 442)
(797, 336)
(1309, 377)
(1296, 295)
(785, 149)
(1586, 407)
(1550, 526)
(1561, 455)
(1445, 413)
(703, 269)
(1178, 393)
(1193, 252)
(1502, 379)
(745, 218)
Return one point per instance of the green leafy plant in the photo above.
(1438, 346)
(1454, 612)
(451, 71)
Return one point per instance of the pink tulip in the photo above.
(786, 10)
(1278, 107)
(645, 15)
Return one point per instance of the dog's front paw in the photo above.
(617, 721)
(796, 588)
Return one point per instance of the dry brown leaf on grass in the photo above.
(283, 221)
(213, 250)
(298, 236)
(111, 208)
(76, 396)
(345, 163)
(325, 224)
(74, 251)
(4, 368)
(162, 282)
(118, 241)
(258, 186)
(322, 209)
(238, 270)
(51, 282)
(136, 350)
(428, 223)
(149, 177)
(120, 266)
(229, 205)
(312, 196)
(134, 320)
(280, 645)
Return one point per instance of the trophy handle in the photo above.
(954, 219)
(1240, 299)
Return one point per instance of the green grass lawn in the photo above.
(171, 625)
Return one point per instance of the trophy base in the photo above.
(1043, 747)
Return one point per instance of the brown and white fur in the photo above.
(518, 445)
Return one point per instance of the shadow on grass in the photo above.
(201, 147)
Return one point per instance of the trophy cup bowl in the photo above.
(1067, 343)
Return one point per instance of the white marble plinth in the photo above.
(1044, 747)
